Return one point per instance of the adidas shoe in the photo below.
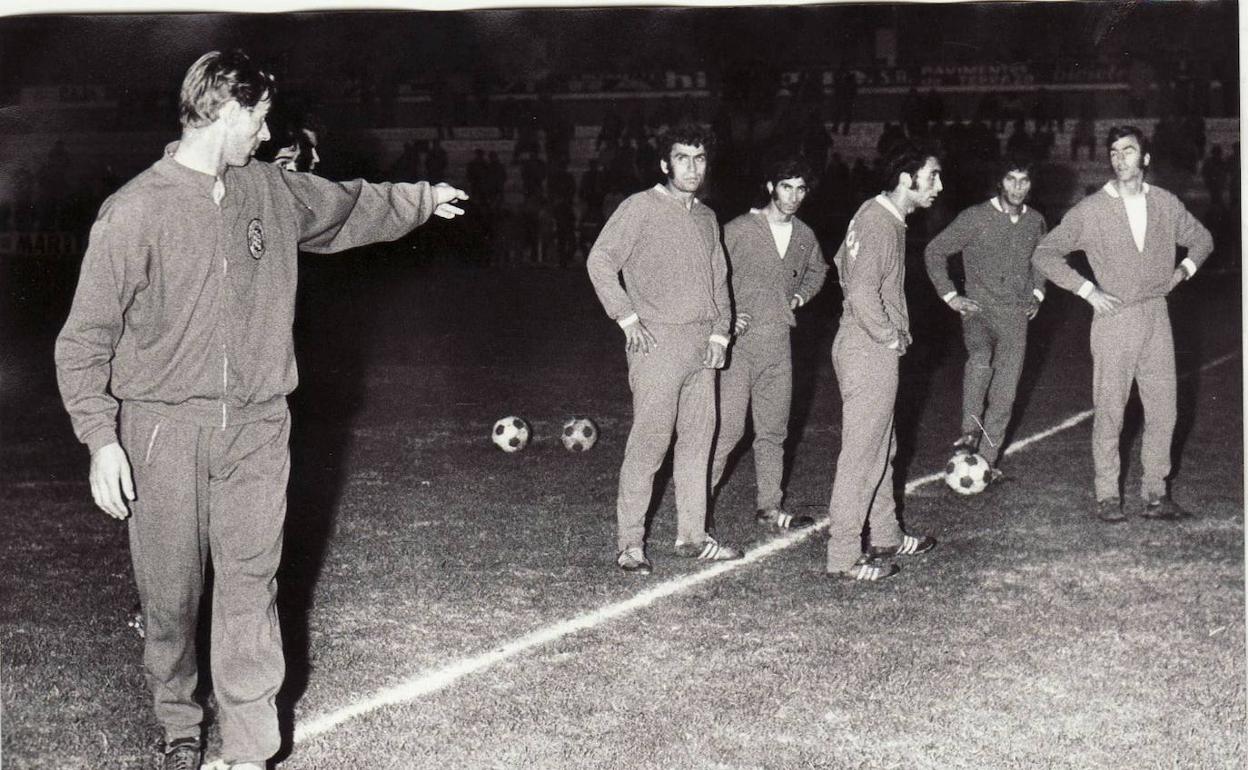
(909, 546)
(182, 754)
(709, 549)
(868, 569)
(778, 518)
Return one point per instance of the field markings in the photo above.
(427, 682)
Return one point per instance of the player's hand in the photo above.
(1033, 307)
(112, 484)
(638, 339)
(964, 305)
(741, 324)
(444, 199)
(1104, 303)
(1176, 278)
(716, 355)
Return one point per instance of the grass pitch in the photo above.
(1032, 636)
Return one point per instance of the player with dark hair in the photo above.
(1002, 293)
(674, 309)
(1129, 230)
(874, 333)
(776, 267)
(292, 143)
(175, 364)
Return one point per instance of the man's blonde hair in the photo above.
(216, 78)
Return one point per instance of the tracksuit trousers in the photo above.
(1134, 344)
(671, 390)
(759, 379)
(863, 487)
(222, 491)
(996, 344)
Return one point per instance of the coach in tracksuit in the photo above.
(675, 312)
(1129, 230)
(174, 365)
(874, 333)
(776, 267)
(1003, 292)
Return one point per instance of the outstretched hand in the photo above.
(444, 199)
(112, 484)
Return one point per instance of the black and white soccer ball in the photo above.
(579, 434)
(967, 473)
(511, 434)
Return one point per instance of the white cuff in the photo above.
(800, 301)
(1189, 267)
(628, 321)
(1039, 295)
(894, 345)
(949, 297)
(1086, 289)
(721, 339)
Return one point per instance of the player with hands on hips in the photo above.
(1002, 293)
(676, 315)
(1129, 230)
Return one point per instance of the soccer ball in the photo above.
(967, 474)
(579, 434)
(511, 434)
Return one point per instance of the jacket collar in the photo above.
(1112, 189)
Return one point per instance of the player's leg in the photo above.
(977, 373)
(250, 468)
(1156, 379)
(773, 394)
(655, 380)
(734, 401)
(867, 373)
(1009, 349)
(695, 431)
(1115, 344)
(169, 548)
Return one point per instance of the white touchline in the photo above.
(431, 681)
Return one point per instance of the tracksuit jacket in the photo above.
(763, 282)
(183, 304)
(996, 255)
(874, 286)
(1098, 225)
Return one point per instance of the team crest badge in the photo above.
(255, 239)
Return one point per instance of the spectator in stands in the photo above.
(495, 182)
(815, 140)
(1019, 141)
(477, 171)
(611, 130)
(844, 93)
(532, 174)
(1084, 134)
(1214, 172)
(436, 162)
(561, 194)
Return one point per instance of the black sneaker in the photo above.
(1110, 510)
(1163, 508)
(909, 546)
(868, 569)
(778, 518)
(182, 754)
(709, 549)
